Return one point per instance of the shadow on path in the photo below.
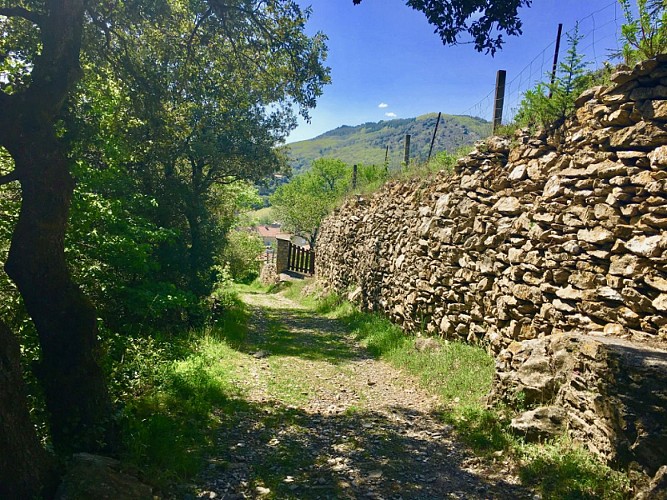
(384, 445)
(276, 451)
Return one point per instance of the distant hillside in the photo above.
(366, 143)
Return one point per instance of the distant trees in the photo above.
(479, 19)
(302, 203)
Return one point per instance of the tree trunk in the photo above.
(69, 369)
(199, 258)
(26, 470)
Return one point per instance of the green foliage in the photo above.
(646, 35)
(262, 217)
(444, 160)
(482, 429)
(548, 104)
(302, 203)
(561, 470)
(370, 176)
(113, 249)
(240, 254)
(172, 389)
(178, 101)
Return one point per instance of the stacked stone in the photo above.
(531, 240)
(603, 209)
(610, 394)
(557, 233)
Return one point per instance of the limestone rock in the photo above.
(355, 294)
(643, 135)
(540, 424)
(657, 488)
(508, 205)
(646, 246)
(423, 344)
(605, 389)
(660, 303)
(597, 235)
(658, 157)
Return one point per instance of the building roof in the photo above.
(270, 231)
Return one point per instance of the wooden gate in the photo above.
(300, 260)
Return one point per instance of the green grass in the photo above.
(173, 390)
(561, 470)
(167, 425)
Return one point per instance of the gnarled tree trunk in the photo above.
(69, 368)
(26, 470)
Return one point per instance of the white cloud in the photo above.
(383, 105)
(391, 115)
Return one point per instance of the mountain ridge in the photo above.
(366, 143)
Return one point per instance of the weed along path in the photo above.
(320, 418)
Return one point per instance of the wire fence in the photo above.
(599, 35)
(599, 39)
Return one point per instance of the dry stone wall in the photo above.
(530, 237)
(609, 393)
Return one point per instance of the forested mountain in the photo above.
(367, 143)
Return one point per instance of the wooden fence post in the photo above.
(282, 254)
(500, 99)
(406, 153)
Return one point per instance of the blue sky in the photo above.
(386, 62)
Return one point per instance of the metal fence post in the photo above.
(555, 66)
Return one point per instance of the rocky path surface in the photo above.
(321, 419)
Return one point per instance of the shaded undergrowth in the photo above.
(171, 388)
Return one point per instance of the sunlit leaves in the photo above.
(307, 198)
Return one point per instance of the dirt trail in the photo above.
(322, 419)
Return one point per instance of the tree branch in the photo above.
(198, 24)
(10, 177)
(31, 16)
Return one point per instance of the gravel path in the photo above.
(322, 419)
